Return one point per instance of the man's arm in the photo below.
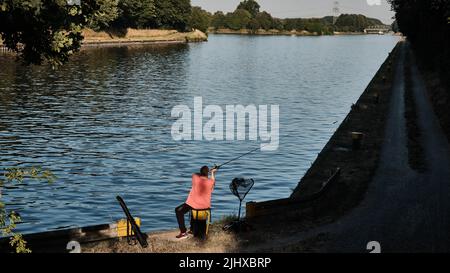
(213, 175)
(193, 178)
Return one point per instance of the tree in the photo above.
(290, 24)
(426, 23)
(173, 14)
(46, 30)
(277, 24)
(238, 19)
(200, 19)
(265, 20)
(394, 26)
(249, 5)
(136, 14)
(315, 27)
(107, 12)
(253, 25)
(218, 20)
(355, 22)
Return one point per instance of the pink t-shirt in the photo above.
(200, 195)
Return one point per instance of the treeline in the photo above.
(173, 14)
(325, 25)
(248, 16)
(426, 23)
(180, 15)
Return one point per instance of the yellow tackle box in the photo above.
(122, 227)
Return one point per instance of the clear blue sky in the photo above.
(307, 8)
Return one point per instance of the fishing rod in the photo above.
(236, 158)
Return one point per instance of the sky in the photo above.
(379, 9)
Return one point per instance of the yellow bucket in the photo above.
(122, 227)
(202, 215)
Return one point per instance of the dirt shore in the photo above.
(136, 37)
(139, 36)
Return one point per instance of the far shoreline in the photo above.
(274, 32)
(141, 37)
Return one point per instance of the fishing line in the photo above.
(242, 155)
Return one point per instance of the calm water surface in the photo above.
(102, 122)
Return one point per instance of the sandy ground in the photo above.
(165, 241)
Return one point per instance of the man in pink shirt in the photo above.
(199, 197)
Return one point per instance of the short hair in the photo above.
(204, 171)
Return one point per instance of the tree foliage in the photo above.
(355, 22)
(107, 12)
(264, 20)
(238, 19)
(135, 14)
(173, 14)
(9, 219)
(251, 6)
(248, 16)
(46, 30)
(218, 20)
(200, 19)
(426, 23)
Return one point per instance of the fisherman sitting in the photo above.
(199, 197)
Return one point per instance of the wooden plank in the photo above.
(56, 241)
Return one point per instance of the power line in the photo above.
(335, 11)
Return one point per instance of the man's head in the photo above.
(204, 171)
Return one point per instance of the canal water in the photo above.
(102, 123)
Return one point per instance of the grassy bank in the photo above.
(134, 37)
(138, 36)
